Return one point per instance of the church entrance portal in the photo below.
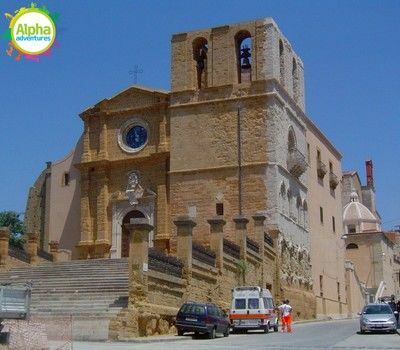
(125, 233)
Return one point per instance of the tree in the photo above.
(11, 219)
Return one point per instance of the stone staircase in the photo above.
(89, 291)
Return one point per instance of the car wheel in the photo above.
(266, 329)
(226, 333)
(180, 332)
(211, 334)
(393, 331)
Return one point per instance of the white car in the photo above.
(377, 317)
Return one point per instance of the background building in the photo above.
(371, 250)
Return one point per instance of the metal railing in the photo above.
(297, 163)
(321, 169)
(44, 255)
(19, 254)
(268, 240)
(158, 261)
(231, 248)
(333, 180)
(203, 254)
(252, 245)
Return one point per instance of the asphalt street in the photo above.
(342, 334)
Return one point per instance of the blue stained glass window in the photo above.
(136, 137)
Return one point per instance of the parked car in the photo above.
(377, 317)
(202, 318)
(252, 308)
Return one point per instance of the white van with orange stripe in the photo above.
(252, 308)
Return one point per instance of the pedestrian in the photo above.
(286, 316)
(394, 307)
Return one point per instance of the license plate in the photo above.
(191, 319)
(248, 322)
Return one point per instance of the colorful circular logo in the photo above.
(32, 31)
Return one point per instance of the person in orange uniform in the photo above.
(286, 316)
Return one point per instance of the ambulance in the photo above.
(252, 308)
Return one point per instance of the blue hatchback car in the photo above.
(202, 318)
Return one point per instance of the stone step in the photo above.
(80, 291)
(70, 303)
(100, 272)
(77, 308)
(92, 281)
(85, 296)
(84, 314)
(85, 290)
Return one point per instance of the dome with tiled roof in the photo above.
(358, 218)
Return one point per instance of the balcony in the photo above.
(333, 180)
(296, 163)
(321, 169)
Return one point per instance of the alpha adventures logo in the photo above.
(31, 32)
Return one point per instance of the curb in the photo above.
(145, 340)
(323, 320)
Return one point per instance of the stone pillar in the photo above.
(102, 243)
(349, 271)
(85, 147)
(85, 245)
(4, 238)
(103, 154)
(259, 219)
(241, 234)
(184, 227)
(32, 246)
(54, 250)
(161, 239)
(217, 239)
(139, 230)
(274, 234)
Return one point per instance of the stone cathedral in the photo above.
(228, 139)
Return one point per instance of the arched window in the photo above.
(200, 50)
(291, 139)
(352, 246)
(243, 55)
(295, 80)
(281, 62)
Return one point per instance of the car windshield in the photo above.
(193, 309)
(377, 309)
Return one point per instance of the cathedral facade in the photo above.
(230, 139)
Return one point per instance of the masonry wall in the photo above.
(64, 217)
(327, 246)
(204, 156)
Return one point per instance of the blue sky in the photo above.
(350, 49)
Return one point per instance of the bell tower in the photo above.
(236, 54)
